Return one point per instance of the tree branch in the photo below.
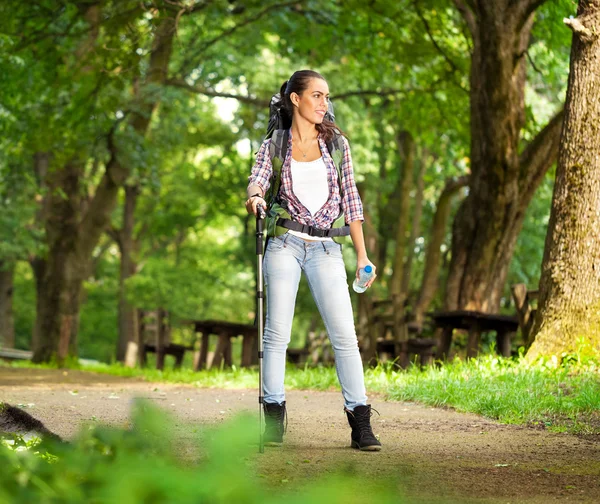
(525, 8)
(264, 102)
(97, 217)
(467, 14)
(259, 102)
(578, 28)
(539, 156)
(234, 28)
(114, 234)
(433, 41)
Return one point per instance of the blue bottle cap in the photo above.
(368, 268)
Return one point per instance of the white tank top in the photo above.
(309, 183)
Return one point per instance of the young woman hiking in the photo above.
(310, 198)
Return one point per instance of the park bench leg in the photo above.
(247, 351)
(160, 358)
(179, 359)
(201, 363)
(445, 342)
(220, 350)
(473, 342)
(227, 352)
(426, 356)
(503, 342)
(403, 355)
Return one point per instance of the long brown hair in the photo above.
(297, 83)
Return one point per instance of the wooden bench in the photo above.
(524, 304)
(402, 346)
(15, 354)
(224, 331)
(297, 355)
(476, 323)
(422, 348)
(177, 351)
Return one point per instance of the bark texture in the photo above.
(406, 149)
(7, 324)
(569, 304)
(128, 323)
(503, 180)
(415, 228)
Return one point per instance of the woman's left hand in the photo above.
(361, 263)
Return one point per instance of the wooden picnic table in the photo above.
(224, 331)
(476, 323)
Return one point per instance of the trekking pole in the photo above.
(260, 296)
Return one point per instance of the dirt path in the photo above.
(435, 453)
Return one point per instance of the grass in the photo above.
(544, 394)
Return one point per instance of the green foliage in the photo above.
(144, 464)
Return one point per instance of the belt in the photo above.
(313, 231)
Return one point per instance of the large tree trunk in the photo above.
(365, 328)
(385, 226)
(503, 181)
(72, 235)
(415, 228)
(7, 325)
(406, 149)
(433, 254)
(569, 304)
(128, 332)
(61, 273)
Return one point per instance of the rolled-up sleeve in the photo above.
(351, 202)
(262, 169)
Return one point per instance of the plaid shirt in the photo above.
(351, 204)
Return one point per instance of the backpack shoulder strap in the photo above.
(277, 153)
(336, 151)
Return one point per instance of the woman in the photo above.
(311, 194)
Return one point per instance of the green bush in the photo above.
(142, 465)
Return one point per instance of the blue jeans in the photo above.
(285, 259)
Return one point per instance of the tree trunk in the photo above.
(365, 328)
(61, 274)
(384, 228)
(406, 149)
(415, 228)
(568, 315)
(127, 314)
(503, 181)
(72, 234)
(7, 325)
(433, 254)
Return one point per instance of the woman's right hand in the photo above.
(253, 203)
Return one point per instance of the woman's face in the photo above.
(313, 102)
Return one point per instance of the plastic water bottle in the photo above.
(364, 275)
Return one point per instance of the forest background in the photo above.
(128, 130)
